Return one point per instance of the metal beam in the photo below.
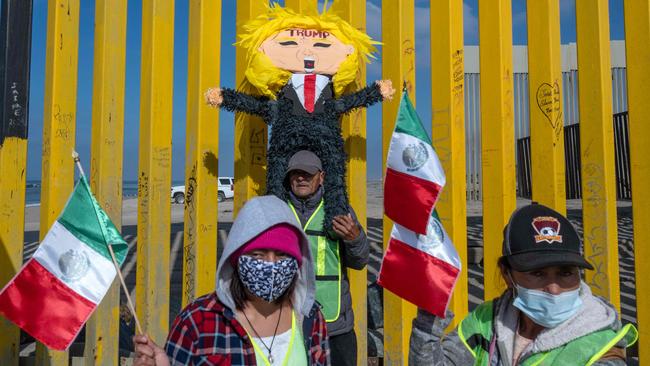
(107, 142)
(546, 119)
(497, 133)
(597, 149)
(59, 119)
(354, 133)
(302, 6)
(637, 54)
(251, 133)
(102, 346)
(398, 55)
(15, 45)
(201, 151)
(448, 131)
(154, 177)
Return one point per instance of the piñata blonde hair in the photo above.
(264, 78)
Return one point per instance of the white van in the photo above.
(225, 190)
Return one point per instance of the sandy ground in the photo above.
(130, 213)
(374, 209)
(374, 231)
(130, 210)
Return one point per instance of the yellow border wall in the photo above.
(448, 131)
(107, 143)
(154, 171)
(545, 91)
(251, 133)
(637, 52)
(597, 145)
(497, 134)
(354, 133)
(59, 118)
(398, 55)
(201, 151)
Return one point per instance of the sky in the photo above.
(226, 133)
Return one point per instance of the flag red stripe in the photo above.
(418, 277)
(38, 302)
(409, 200)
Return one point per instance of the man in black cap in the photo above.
(334, 249)
(547, 316)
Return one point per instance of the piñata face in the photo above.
(306, 51)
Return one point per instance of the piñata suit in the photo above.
(294, 129)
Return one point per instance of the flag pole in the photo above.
(77, 161)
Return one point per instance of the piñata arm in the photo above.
(361, 98)
(235, 101)
(429, 346)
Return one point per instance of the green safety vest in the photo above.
(475, 331)
(327, 263)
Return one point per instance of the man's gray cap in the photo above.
(304, 160)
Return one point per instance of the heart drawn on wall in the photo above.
(548, 101)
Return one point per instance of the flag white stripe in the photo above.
(100, 271)
(430, 243)
(431, 170)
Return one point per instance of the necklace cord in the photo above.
(274, 332)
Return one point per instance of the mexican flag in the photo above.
(414, 175)
(57, 290)
(422, 269)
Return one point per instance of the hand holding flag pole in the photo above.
(57, 290)
(77, 161)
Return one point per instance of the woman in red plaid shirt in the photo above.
(264, 310)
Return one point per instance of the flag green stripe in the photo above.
(84, 218)
(435, 215)
(408, 121)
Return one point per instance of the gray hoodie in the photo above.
(429, 346)
(257, 215)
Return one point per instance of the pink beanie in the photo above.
(282, 237)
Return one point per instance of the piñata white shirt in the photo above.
(298, 83)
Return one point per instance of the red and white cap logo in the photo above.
(547, 228)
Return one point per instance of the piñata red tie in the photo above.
(310, 92)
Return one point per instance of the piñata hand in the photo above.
(214, 97)
(147, 353)
(386, 89)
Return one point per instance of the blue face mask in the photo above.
(546, 309)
